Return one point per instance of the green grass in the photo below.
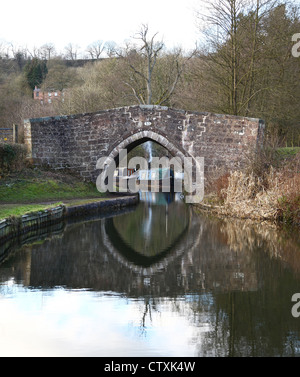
(33, 190)
(287, 151)
(80, 202)
(12, 210)
(7, 210)
(24, 191)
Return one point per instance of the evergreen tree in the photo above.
(35, 72)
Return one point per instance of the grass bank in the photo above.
(36, 185)
(19, 210)
(7, 210)
(33, 189)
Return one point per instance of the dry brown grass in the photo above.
(247, 197)
(263, 192)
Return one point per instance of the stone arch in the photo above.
(141, 137)
(191, 167)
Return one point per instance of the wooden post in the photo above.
(15, 133)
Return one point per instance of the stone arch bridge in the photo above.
(77, 141)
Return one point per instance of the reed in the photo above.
(262, 192)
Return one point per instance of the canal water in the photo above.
(157, 279)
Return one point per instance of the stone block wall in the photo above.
(76, 142)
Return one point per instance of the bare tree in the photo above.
(149, 51)
(172, 65)
(71, 51)
(4, 50)
(47, 50)
(233, 45)
(34, 52)
(96, 49)
(154, 74)
(222, 21)
(111, 48)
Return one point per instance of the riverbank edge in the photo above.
(15, 226)
(222, 212)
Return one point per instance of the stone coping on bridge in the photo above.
(142, 107)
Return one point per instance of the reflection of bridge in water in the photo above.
(222, 276)
(142, 262)
(107, 254)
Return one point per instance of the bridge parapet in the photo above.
(76, 142)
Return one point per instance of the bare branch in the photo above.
(140, 100)
(96, 49)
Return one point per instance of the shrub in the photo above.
(12, 157)
(289, 202)
(273, 195)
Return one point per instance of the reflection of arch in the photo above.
(183, 244)
(133, 256)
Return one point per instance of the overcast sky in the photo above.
(34, 23)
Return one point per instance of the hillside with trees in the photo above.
(243, 66)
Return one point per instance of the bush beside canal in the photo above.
(12, 158)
